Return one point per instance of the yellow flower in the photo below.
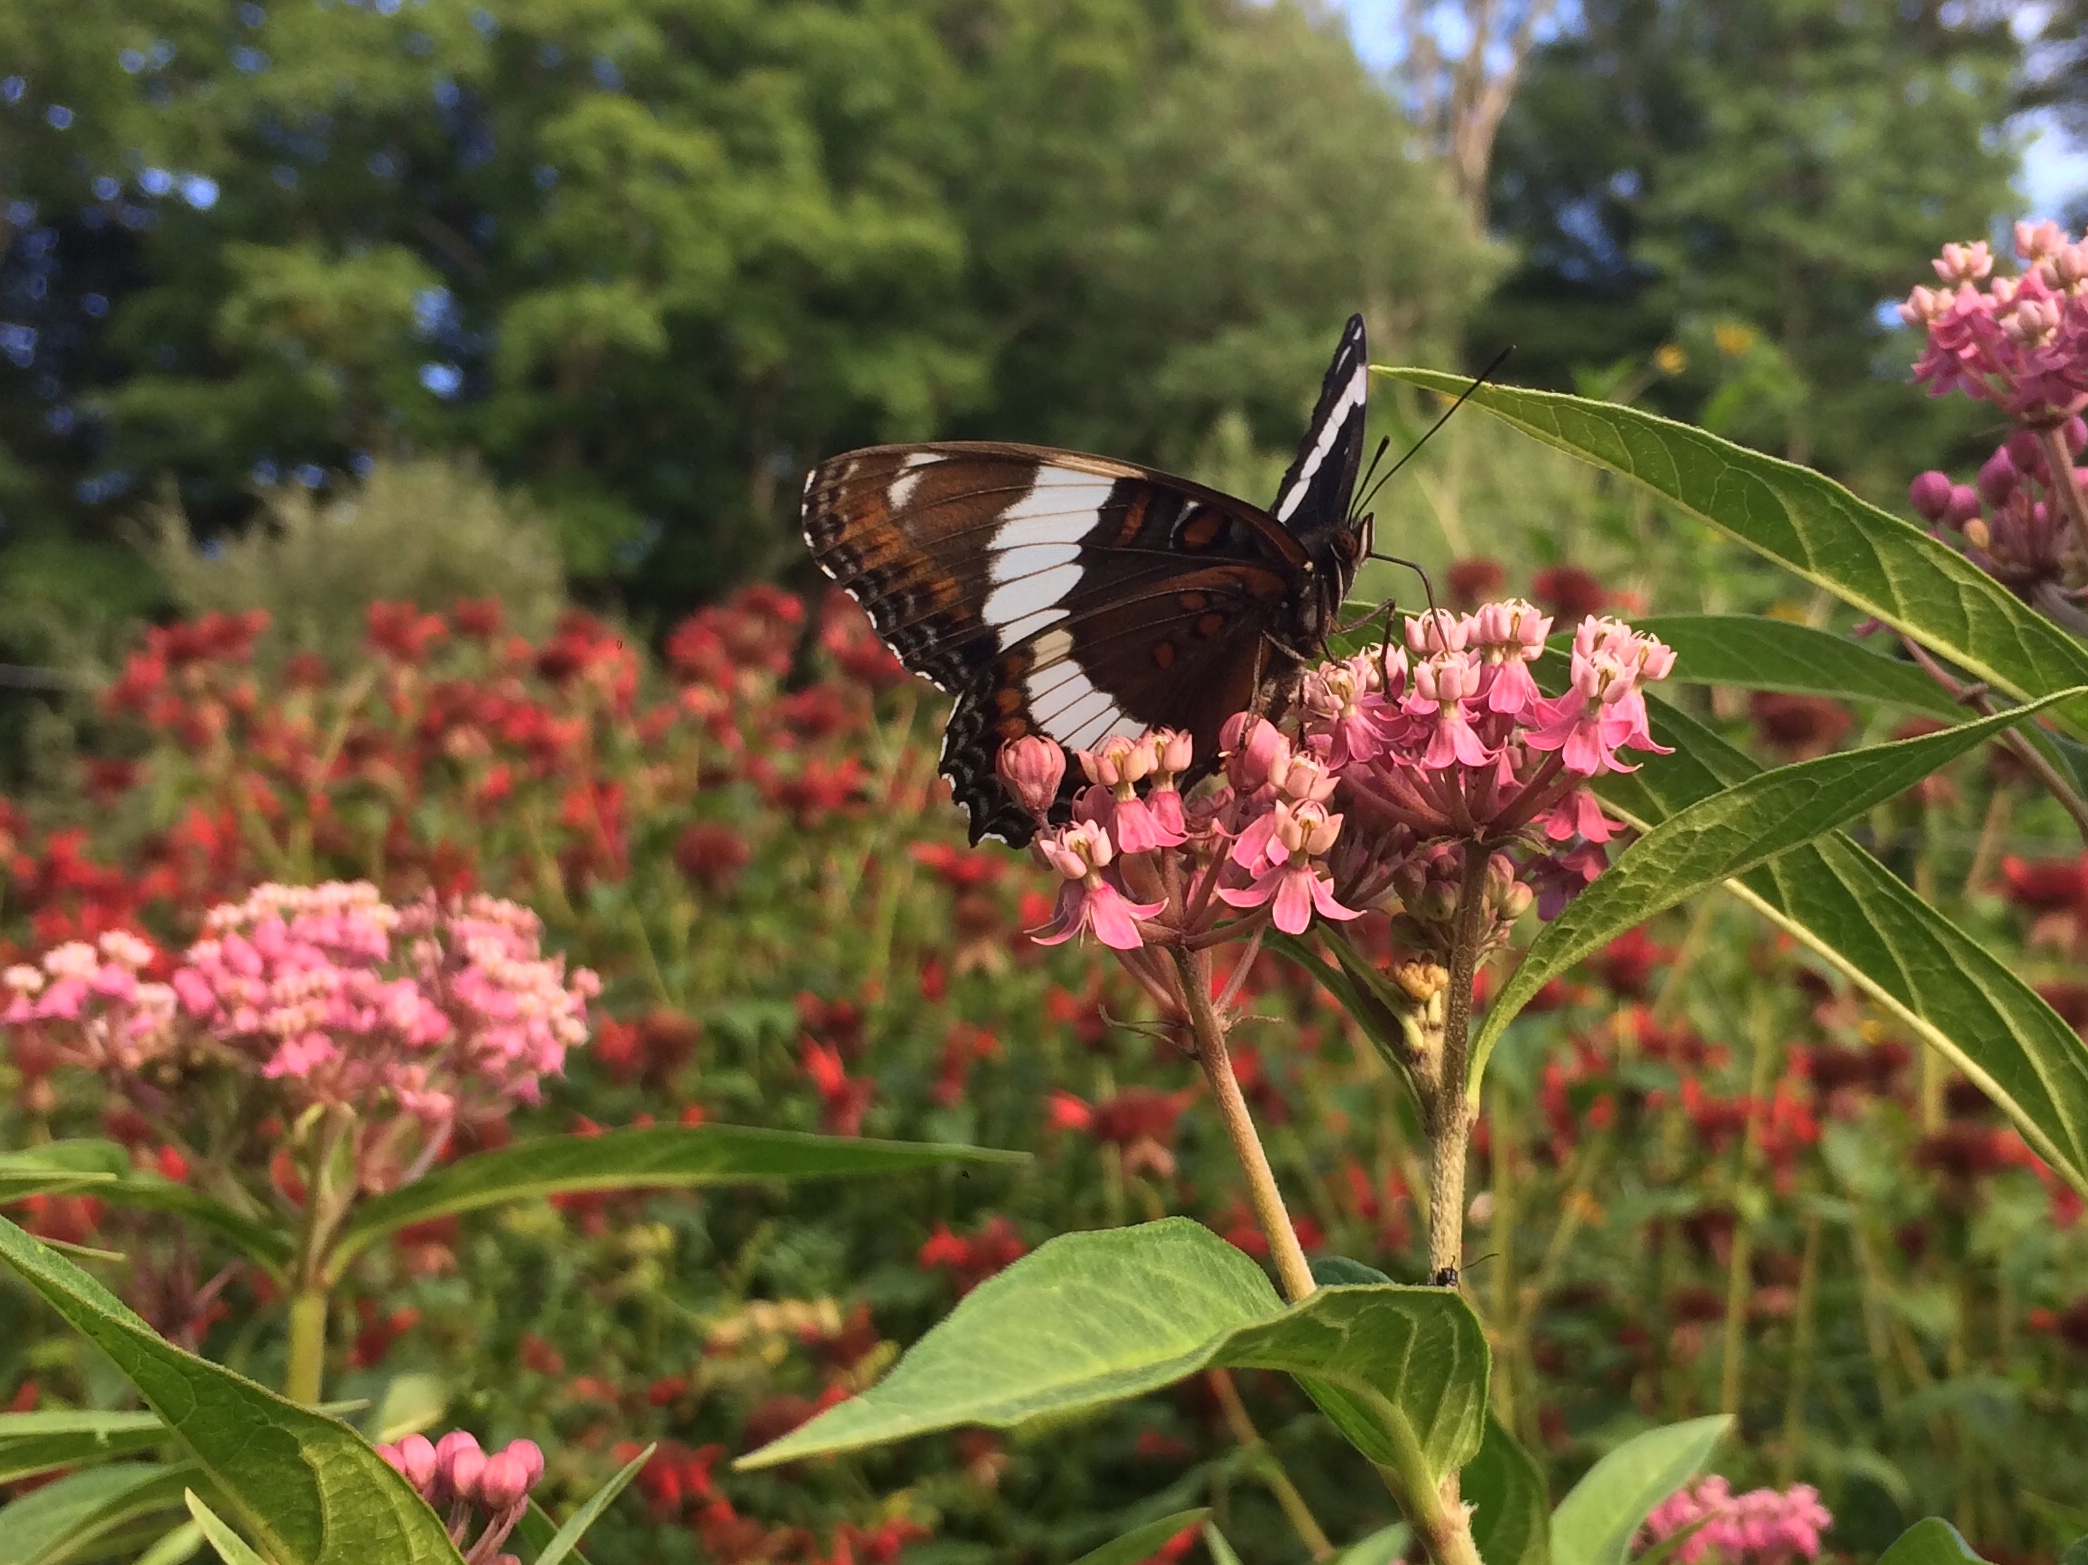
(1669, 358)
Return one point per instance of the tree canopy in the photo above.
(650, 258)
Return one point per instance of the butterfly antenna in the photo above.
(1479, 380)
(1384, 444)
(1427, 586)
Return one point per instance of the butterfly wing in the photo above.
(1313, 500)
(1054, 593)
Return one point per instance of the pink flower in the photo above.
(1761, 1527)
(1080, 852)
(1283, 871)
(1443, 684)
(1603, 710)
(1349, 709)
(1509, 636)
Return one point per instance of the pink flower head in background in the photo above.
(394, 1015)
(2019, 342)
(1760, 1527)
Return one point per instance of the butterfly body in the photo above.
(1078, 596)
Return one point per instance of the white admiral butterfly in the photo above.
(1079, 597)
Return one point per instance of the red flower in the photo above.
(1568, 593)
(712, 855)
(402, 632)
(995, 1247)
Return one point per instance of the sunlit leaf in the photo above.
(1092, 1319)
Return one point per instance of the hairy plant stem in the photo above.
(1450, 1115)
(2060, 469)
(1208, 1028)
(307, 1350)
(2022, 749)
(1269, 1469)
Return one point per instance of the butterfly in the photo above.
(1081, 597)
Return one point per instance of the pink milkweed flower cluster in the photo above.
(331, 994)
(2013, 521)
(2019, 342)
(1358, 801)
(459, 1479)
(1760, 1527)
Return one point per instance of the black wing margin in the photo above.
(1313, 499)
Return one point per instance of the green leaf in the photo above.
(1083, 1321)
(1881, 565)
(1142, 1543)
(1386, 1546)
(107, 1168)
(1511, 1512)
(1723, 836)
(664, 1157)
(568, 1537)
(2076, 1553)
(1944, 986)
(176, 1547)
(1755, 652)
(1095, 1318)
(1338, 1271)
(1932, 1541)
(310, 1489)
(1594, 1525)
(32, 1443)
(231, 1548)
(63, 1520)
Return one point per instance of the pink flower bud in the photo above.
(503, 1481)
(1964, 506)
(2023, 450)
(1177, 748)
(1031, 769)
(458, 1463)
(2075, 430)
(1997, 478)
(415, 1457)
(531, 1456)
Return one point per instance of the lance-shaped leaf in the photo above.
(105, 1168)
(1595, 1523)
(78, 1516)
(1874, 561)
(307, 1487)
(32, 1443)
(1142, 1543)
(231, 1548)
(1511, 1511)
(1944, 986)
(1932, 1541)
(663, 1157)
(1724, 836)
(1095, 1318)
(1755, 652)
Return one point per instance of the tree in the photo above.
(650, 258)
(1741, 185)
